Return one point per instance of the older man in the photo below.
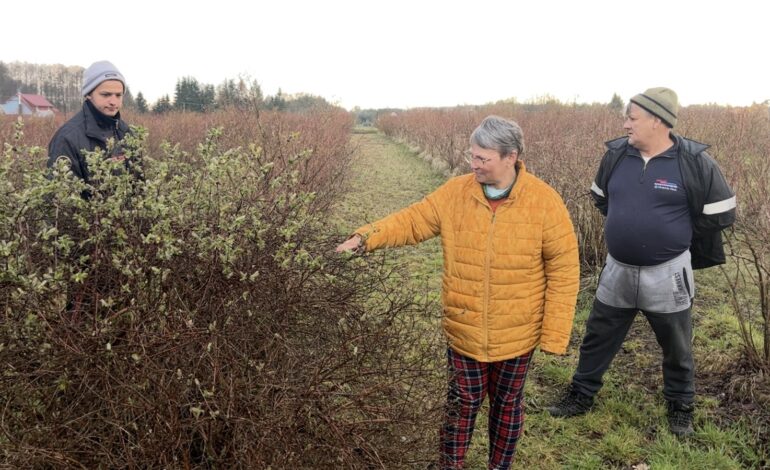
(511, 279)
(666, 202)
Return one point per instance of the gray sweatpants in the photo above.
(663, 293)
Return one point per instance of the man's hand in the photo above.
(351, 244)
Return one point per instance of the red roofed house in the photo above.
(31, 105)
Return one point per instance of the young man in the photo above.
(666, 202)
(511, 277)
(96, 124)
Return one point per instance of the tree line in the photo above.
(61, 85)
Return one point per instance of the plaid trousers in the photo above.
(469, 382)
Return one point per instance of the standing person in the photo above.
(665, 202)
(510, 282)
(98, 125)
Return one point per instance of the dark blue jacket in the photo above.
(711, 201)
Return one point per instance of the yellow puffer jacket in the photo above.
(510, 277)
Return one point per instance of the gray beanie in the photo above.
(100, 72)
(661, 102)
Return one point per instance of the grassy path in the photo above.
(627, 429)
(387, 177)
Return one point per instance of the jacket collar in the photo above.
(671, 152)
(99, 118)
(693, 147)
(100, 126)
(521, 174)
(687, 145)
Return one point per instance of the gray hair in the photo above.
(502, 135)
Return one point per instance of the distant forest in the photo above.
(60, 84)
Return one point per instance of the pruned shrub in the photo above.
(199, 318)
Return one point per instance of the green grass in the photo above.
(365, 130)
(387, 177)
(627, 426)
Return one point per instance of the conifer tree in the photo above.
(141, 103)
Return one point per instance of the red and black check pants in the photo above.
(469, 382)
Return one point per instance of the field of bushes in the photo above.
(199, 318)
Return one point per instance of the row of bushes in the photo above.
(199, 318)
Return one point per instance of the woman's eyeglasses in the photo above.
(471, 158)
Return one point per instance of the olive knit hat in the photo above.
(661, 102)
(100, 72)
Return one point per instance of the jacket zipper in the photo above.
(644, 169)
(487, 273)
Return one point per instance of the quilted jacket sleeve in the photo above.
(409, 226)
(562, 271)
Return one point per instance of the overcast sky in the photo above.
(411, 53)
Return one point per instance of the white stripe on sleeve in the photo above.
(595, 188)
(719, 207)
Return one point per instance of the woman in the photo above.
(510, 282)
